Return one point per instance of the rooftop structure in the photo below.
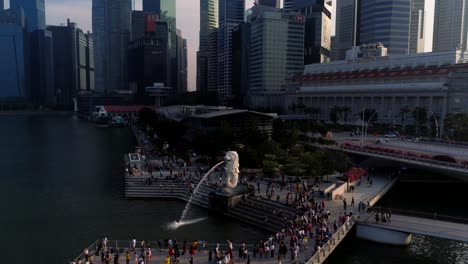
(391, 62)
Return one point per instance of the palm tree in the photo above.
(403, 111)
(345, 110)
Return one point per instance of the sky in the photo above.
(188, 20)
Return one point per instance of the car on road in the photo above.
(391, 135)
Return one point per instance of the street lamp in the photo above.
(436, 123)
(367, 125)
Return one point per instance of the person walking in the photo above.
(272, 250)
(344, 204)
(352, 201)
(127, 257)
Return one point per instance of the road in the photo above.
(424, 147)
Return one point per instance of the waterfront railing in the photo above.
(122, 246)
(425, 215)
(321, 255)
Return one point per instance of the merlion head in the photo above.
(232, 168)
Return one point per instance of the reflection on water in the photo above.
(62, 188)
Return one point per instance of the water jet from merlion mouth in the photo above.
(183, 220)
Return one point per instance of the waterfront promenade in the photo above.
(310, 226)
(364, 192)
(421, 226)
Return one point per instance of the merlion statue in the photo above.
(232, 169)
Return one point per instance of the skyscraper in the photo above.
(34, 11)
(166, 9)
(73, 62)
(1, 5)
(276, 52)
(13, 69)
(181, 63)
(346, 27)
(149, 59)
(208, 22)
(287, 5)
(231, 14)
(450, 25)
(213, 61)
(317, 32)
(111, 31)
(417, 26)
(390, 22)
(270, 3)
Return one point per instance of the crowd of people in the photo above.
(313, 224)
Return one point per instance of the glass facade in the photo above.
(208, 22)
(231, 14)
(12, 54)
(34, 11)
(387, 22)
(450, 26)
(111, 33)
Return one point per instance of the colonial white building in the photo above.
(437, 81)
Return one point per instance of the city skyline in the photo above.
(57, 12)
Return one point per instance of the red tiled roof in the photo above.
(126, 108)
(384, 73)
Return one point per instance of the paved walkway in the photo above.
(423, 226)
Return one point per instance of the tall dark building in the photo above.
(166, 9)
(181, 63)
(317, 32)
(73, 62)
(346, 27)
(270, 3)
(42, 68)
(14, 56)
(393, 24)
(34, 11)
(208, 22)
(241, 47)
(212, 67)
(39, 50)
(148, 58)
(111, 32)
(2, 6)
(231, 14)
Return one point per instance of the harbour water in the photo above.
(62, 188)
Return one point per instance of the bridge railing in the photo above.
(405, 157)
(425, 215)
(322, 254)
(123, 245)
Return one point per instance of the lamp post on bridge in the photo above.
(367, 125)
(436, 124)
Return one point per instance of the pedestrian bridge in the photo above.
(401, 227)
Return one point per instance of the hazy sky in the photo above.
(79, 11)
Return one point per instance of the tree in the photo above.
(292, 166)
(458, 122)
(420, 118)
(345, 110)
(270, 165)
(403, 111)
(335, 114)
(370, 115)
(284, 134)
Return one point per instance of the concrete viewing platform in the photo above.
(252, 211)
(412, 225)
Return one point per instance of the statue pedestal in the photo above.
(225, 198)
